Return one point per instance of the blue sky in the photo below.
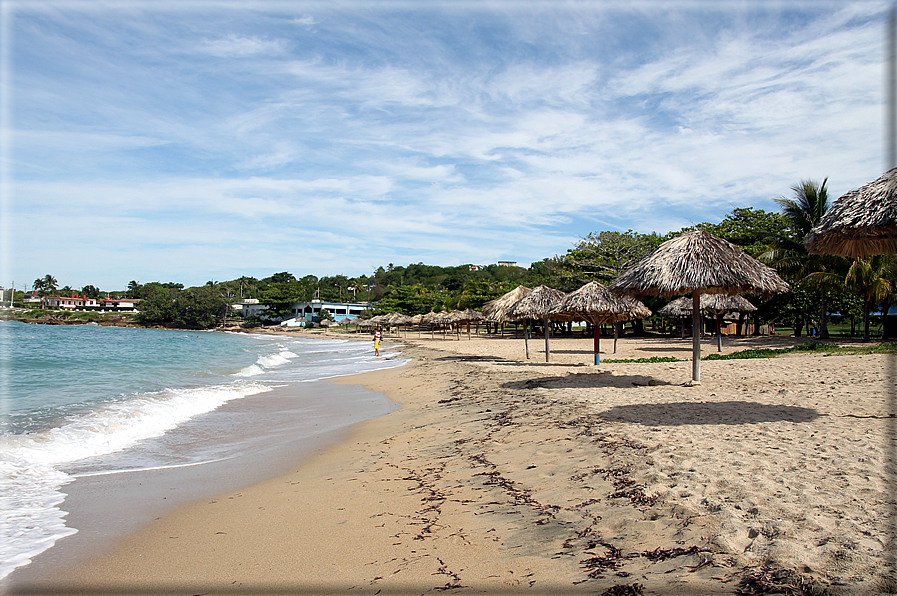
(173, 141)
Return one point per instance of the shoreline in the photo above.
(240, 442)
(502, 475)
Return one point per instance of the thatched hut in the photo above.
(537, 306)
(698, 262)
(599, 305)
(861, 223)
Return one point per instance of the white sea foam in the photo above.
(283, 356)
(78, 431)
(30, 481)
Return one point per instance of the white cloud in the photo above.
(381, 136)
(234, 46)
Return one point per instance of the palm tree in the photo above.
(789, 255)
(873, 279)
(45, 285)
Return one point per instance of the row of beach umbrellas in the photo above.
(713, 271)
(695, 263)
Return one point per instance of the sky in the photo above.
(196, 140)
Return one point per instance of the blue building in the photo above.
(311, 311)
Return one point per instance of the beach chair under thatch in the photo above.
(861, 223)
(697, 262)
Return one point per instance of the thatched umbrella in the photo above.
(346, 322)
(433, 319)
(496, 311)
(861, 223)
(466, 317)
(537, 305)
(372, 322)
(418, 320)
(397, 320)
(697, 262)
(597, 304)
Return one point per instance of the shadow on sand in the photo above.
(581, 380)
(723, 412)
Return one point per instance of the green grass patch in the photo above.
(824, 349)
(811, 347)
(643, 360)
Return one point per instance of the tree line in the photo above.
(820, 284)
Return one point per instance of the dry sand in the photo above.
(505, 475)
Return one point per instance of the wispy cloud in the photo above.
(234, 46)
(345, 136)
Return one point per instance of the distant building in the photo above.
(121, 304)
(507, 263)
(310, 311)
(241, 307)
(64, 302)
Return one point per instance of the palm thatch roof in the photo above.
(347, 321)
(467, 316)
(597, 304)
(537, 304)
(437, 318)
(861, 223)
(397, 318)
(496, 311)
(716, 303)
(372, 322)
(698, 261)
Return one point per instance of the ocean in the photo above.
(85, 401)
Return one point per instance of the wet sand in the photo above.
(505, 475)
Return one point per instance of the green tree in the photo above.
(45, 285)
(408, 300)
(749, 228)
(788, 254)
(278, 297)
(193, 308)
(158, 307)
(134, 289)
(872, 279)
(281, 278)
(603, 256)
(91, 291)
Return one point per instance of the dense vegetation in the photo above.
(820, 284)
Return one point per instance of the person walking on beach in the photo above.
(377, 342)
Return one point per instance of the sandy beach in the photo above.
(505, 475)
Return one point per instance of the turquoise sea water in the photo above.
(84, 400)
